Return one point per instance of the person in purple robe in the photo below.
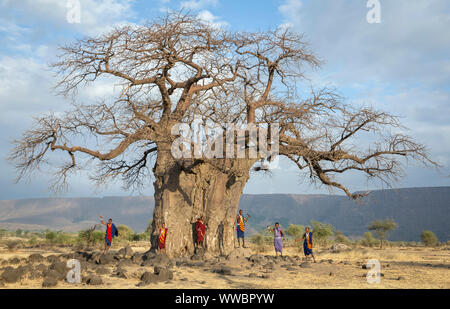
(278, 237)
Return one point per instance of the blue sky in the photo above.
(401, 65)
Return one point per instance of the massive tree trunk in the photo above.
(184, 192)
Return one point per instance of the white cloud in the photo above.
(97, 16)
(213, 20)
(198, 4)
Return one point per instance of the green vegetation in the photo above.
(322, 232)
(429, 238)
(382, 228)
(368, 240)
(295, 230)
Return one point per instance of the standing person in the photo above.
(200, 228)
(240, 227)
(307, 243)
(162, 238)
(277, 238)
(110, 233)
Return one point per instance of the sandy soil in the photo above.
(408, 267)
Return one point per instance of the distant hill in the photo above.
(414, 209)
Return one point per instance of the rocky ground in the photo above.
(133, 267)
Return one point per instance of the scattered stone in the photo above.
(105, 259)
(269, 265)
(11, 275)
(102, 271)
(256, 258)
(336, 248)
(331, 274)
(330, 261)
(149, 277)
(35, 258)
(40, 267)
(51, 273)
(49, 282)
(266, 276)
(202, 282)
(401, 278)
(252, 275)
(223, 270)
(364, 266)
(14, 260)
(94, 280)
(61, 268)
(163, 274)
(52, 258)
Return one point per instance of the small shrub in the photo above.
(13, 244)
(368, 240)
(429, 238)
(50, 236)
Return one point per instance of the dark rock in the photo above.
(252, 275)
(14, 261)
(266, 276)
(256, 258)
(223, 270)
(147, 255)
(60, 267)
(401, 278)
(94, 280)
(41, 268)
(35, 258)
(52, 258)
(105, 259)
(364, 266)
(11, 275)
(102, 271)
(149, 277)
(122, 273)
(164, 274)
(49, 282)
(269, 265)
(51, 273)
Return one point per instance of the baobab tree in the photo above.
(177, 68)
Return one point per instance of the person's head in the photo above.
(277, 224)
(201, 218)
(240, 212)
(163, 225)
(109, 221)
(307, 229)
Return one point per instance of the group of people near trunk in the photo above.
(200, 228)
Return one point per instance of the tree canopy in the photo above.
(177, 67)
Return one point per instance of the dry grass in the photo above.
(418, 267)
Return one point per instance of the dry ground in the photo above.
(402, 267)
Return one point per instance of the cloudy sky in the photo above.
(401, 65)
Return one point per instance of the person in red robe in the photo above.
(200, 227)
(162, 238)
